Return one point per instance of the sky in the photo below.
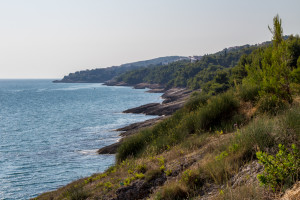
(51, 38)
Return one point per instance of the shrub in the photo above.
(257, 135)
(270, 103)
(132, 145)
(77, 193)
(248, 92)
(111, 169)
(281, 170)
(218, 112)
(220, 108)
(141, 168)
(192, 178)
(196, 101)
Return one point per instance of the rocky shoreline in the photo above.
(174, 99)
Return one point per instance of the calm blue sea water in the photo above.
(49, 133)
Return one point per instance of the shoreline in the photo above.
(173, 99)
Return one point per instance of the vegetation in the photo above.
(213, 140)
(281, 170)
(219, 112)
(211, 72)
(101, 75)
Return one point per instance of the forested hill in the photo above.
(211, 71)
(214, 73)
(101, 75)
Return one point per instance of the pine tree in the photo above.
(270, 69)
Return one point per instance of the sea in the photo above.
(50, 132)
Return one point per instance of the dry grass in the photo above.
(171, 191)
(245, 192)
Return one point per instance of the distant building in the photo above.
(195, 58)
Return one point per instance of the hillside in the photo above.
(193, 75)
(210, 71)
(241, 142)
(101, 75)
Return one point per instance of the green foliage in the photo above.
(281, 170)
(101, 75)
(77, 193)
(141, 168)
(196, 101)
(271, 103)
(94, 178)
(161, 161)
(219, 84)
(248, 92)
(133, 177)
(271, 70)
(218, 112)
(111, 169)
(168, 172)
(277, 31)
(133, 145)
(192, 179)
(107, 186)
(296, 73)
(210, 70)
(258, 134)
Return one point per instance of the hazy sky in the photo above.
(51, 38)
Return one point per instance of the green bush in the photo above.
(248, 92)
(196, 101)
(281, 170)
(133, 145)
(136, 144)
(77, 193)
(220, 109)
(270, 103)
(256, 135)
(218, 112)
(192, 178)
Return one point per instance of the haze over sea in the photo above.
(49, 133)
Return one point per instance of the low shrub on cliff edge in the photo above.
(217, 113)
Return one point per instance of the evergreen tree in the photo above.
(270, 69)
(276, 31)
